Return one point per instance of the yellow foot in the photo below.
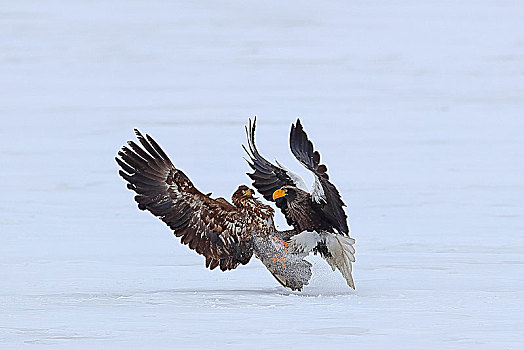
(282, 260)
(285, 244)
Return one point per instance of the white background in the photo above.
(417, 109)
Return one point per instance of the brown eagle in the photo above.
(317, 216)
(225, 234)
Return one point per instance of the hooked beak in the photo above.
(279, 193)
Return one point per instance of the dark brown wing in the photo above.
(213, 228)
(267, 177)
(324, 192)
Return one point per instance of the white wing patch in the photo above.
(295, 177)
(304, 242)
(318, 194)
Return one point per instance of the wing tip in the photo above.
(138, 133)
(299, 123)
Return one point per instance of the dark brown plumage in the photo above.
(300, 210)
(214, 228)
(226, 234)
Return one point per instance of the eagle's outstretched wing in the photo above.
(267, 177)
(212, 227)
(324, 193)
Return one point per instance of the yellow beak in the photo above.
(279, 193)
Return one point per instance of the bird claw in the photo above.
(284, 243)
(293, 247)
(281, 259)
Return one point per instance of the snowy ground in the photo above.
(417, 108)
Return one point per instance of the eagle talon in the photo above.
(282, 260)
(293, 247)
(284, 243)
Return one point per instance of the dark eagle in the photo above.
(317, 216)
(225, 234)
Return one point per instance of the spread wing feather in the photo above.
(267, 177)
(213, 228)
(324, 192)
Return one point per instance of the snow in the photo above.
(416, 108)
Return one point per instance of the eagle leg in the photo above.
(285, 244)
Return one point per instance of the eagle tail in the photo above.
(336, 249)
(342, 255)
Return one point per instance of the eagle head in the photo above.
(242, 194)
(285, 194)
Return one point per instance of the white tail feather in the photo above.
(342, 255)
(340, 247)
